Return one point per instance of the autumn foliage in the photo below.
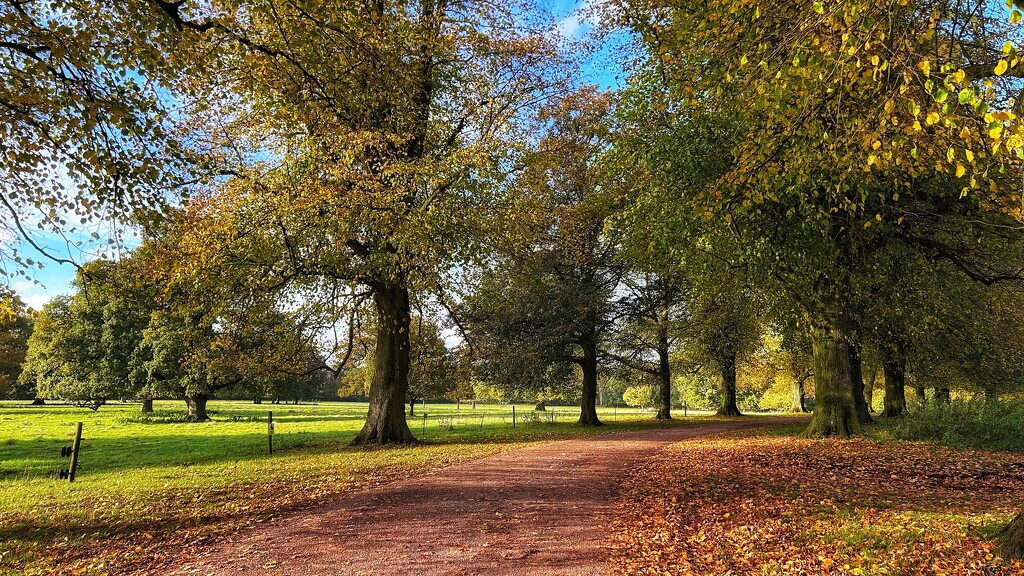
(780, 505)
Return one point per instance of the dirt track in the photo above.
(532, 511)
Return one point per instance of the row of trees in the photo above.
(119, 336)
(844, 176)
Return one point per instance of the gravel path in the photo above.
(543, 509)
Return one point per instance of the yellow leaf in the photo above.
(960, 170)
(1001, 67)
(931, 118)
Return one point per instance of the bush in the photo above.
(988, 425)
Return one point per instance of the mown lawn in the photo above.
(150, 486)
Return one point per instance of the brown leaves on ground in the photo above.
(781, 505)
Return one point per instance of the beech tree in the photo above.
(551, 288)
(840, 129)
(432, 366)
(381, 131)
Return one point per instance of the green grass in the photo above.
(974, 424)
(144, 482)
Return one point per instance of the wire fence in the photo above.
(121, 436)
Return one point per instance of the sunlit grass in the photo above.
(145, 480)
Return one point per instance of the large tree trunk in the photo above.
(197, 407)
(894, 372)
(412, 406)
(798, 403)
(857, 385)
(664, 381)
(1011, 539)
(385, 419)
(869, 388)
(727, 403)
(588, 403)
(835, 413)
(147, 405)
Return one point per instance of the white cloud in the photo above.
(581, 20)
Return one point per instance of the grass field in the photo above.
(147, 485)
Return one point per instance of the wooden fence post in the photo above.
(74, 453)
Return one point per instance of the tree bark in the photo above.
(1011, 538)
(835, 413)
(894, 372)
(412, 406)
(799, 404)
(541, 406)
(385, 419)
(37, 401)
(197, 407)
(147, 405)
(664, 381)
(942, 395)
(921, 396)
(857, 385)
(727, 402)
(588, 402)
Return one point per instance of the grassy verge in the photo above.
(975, 424)
(152, 486)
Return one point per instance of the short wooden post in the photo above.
(684, 409)
(615, 412)
(481, 422)
(74, 453)
(513, 416)
(270, 432)
(424, 429)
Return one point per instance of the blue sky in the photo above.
(53, 278)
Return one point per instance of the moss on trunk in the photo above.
(834, 411)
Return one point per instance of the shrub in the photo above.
(990, 425)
